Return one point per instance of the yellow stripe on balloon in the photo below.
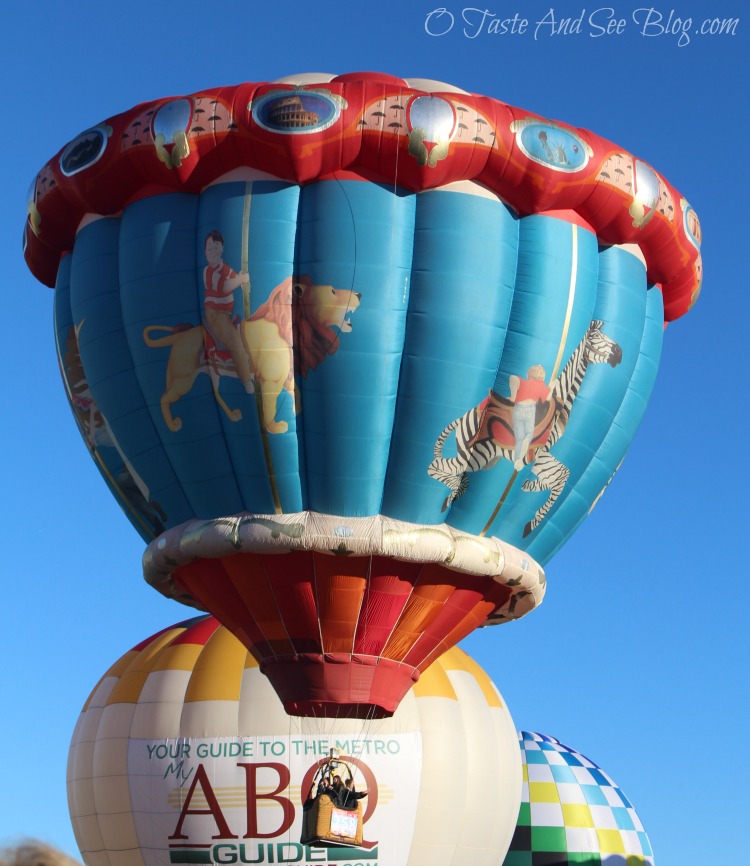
(434, 683)
(128, 689)
(179, 657)
(217, 675)
(457, 660)
(115, 671)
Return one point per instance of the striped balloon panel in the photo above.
(352, 632)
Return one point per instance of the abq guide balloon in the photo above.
(184, 754)
(429, 323)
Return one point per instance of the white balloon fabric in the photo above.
(183, 754)
(572, 812)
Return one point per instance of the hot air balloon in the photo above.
(572, 812)
(184, 754)
(429, 324)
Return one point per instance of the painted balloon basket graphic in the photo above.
(184, 754)
(356, 355)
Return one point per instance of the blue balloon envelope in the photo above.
(413, 331)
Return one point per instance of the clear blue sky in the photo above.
(638, 657)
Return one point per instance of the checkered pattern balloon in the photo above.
(572, 812)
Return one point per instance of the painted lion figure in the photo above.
(298, 313)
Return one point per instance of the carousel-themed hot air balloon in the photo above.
(183, 754)
(356, 355)
(572, 812)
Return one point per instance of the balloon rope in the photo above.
(317, 601)
(363, 607)
(558, 360)
(353, 282)
(279, 618)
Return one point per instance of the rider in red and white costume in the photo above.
(220, 283)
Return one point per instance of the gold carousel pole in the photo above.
(558, 362)
(246, 315)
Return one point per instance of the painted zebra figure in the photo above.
(475, 452)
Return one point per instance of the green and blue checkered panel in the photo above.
(572, 812)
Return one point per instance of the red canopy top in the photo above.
(414, 135)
